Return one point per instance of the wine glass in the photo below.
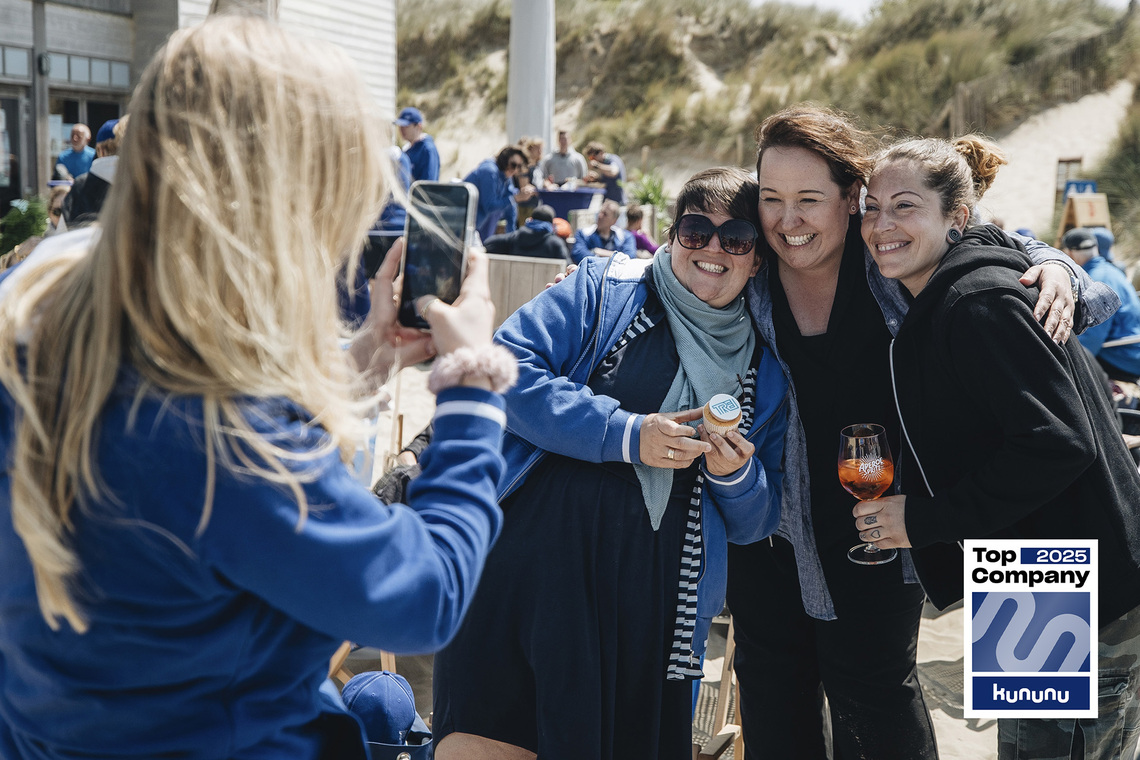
(866, 470)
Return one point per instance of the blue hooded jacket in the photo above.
(560, 337)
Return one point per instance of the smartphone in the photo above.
(376, 247)
(440, 227)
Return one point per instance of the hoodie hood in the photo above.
(982, 247)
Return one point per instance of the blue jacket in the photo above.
(216, 644)
(496, 197)
(587, 239)
(1123, 324)
(424, 158)
(560, 337)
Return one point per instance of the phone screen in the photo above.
(433, 258)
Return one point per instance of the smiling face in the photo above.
(803, 213)
(709, 273)
(904, 225)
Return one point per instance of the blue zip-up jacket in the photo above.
(496, 198)
(1097, 303)
(1125, 323)
(560, 337)
(216, 644)
(587, 239)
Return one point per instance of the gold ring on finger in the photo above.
(671, 454)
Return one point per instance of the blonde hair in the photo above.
(960, 171)
(252, 167)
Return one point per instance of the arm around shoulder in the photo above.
(547, 407)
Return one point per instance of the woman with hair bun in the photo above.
(1035, 452)
(182, 547)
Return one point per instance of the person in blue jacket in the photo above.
(499, 193)
(597, 598)
(182, 547)
(422, 155)
(605, 237)
(1120, 362)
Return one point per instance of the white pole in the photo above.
(530, 77)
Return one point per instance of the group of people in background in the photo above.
(82, 177)
(512, 178)
(183, 546)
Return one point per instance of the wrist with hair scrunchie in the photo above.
(494, 362)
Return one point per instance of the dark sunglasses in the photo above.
(737, 236)
(56, 211)
(516, 165)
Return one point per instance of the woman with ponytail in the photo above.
(1006, 434)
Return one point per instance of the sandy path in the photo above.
(1023, 193)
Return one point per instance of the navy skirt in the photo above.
(565, 647)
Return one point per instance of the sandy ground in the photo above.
(1023, 195)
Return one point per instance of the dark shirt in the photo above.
(842, 378)
(82, 205)
(529, 242)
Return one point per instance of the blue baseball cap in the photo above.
(384, 703)
(408, 117)
(107, 131)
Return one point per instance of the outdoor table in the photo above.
(565, 201)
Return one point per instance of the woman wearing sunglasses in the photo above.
(590, 621)
(499, 193)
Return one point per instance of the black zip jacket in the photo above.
(1006, 434)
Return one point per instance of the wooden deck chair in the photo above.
(724, 733)
(341, 674)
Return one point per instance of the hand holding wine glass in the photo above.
(866, 470)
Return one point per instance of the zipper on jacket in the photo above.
(902, 424)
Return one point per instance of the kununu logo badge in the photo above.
(1030, 629)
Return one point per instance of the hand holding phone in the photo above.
(470, 321)
(440, 228)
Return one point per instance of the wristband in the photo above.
(494, 362)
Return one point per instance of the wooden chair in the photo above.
(341, 674)
(725, 734)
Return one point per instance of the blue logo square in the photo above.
(1031, 632)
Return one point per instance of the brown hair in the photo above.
(503, 159)
(960, 171)
(832, 135)
(593, 147)
(633, 212)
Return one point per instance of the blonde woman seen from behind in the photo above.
(181, 545)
